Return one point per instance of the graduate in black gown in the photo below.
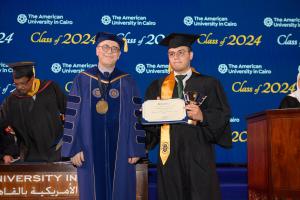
(186, 165)
(292, 100)
(34, 112)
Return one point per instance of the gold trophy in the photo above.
(193, 97)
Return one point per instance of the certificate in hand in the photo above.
(164, 111)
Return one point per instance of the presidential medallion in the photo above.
(102, 107)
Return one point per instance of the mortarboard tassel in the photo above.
(170, 68)
(125, 45)
(33, 70)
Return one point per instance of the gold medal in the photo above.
(102, 106)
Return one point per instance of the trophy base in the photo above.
(192, 122)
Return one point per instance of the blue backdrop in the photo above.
(251, 46)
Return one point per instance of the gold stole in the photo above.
(166, 93)
(35, 87)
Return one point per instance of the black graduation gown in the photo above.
(190, 172)
(289, 102)
(37, 123)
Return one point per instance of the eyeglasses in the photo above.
(179, 53)
(107, 48)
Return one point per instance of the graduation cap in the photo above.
(21, 69)
(179, 39)
(101, 36)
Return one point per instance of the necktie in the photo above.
(106, 75)
(180, 85)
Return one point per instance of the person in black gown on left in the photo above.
(34, 112)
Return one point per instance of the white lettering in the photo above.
(285, 40)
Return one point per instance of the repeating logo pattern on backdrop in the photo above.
(282, 22)
(43, 19)
(149, 68)
(70, 68)
(208, 21)
(244, 69)
(125, 20)
(253, 55)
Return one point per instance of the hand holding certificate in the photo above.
(164, 111)
(172, 110)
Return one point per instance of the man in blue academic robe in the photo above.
(101, 133)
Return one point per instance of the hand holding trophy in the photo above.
(193, 100)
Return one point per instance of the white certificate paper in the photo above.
(164, 111)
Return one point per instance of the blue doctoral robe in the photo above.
(108, 140)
